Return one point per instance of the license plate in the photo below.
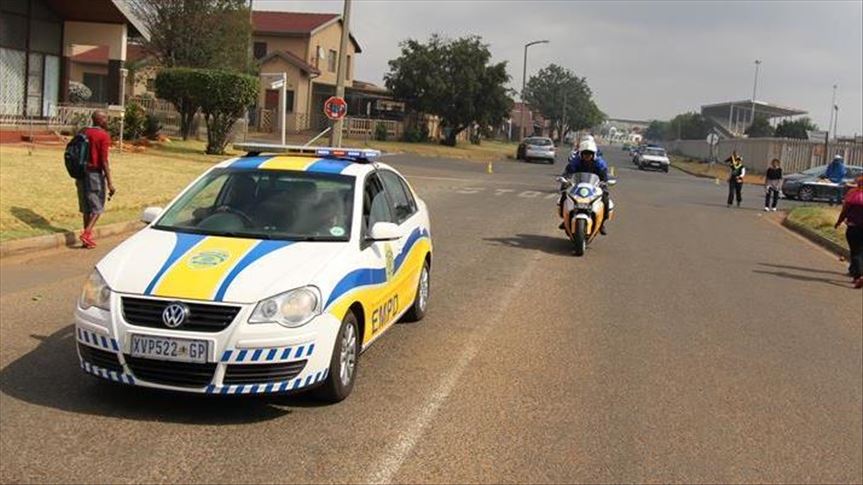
(166, 348)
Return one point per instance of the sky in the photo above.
(643, 60)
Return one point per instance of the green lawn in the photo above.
(487, 151)
(38, 197)
(820, 219)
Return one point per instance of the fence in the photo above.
(365, 127)
(796, 155)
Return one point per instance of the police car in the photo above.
(270, 273)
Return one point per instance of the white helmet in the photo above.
(587, 146)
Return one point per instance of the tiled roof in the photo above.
(292, 59)
(289, 22)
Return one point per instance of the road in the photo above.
(694, 343)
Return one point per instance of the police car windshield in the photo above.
(265, 204)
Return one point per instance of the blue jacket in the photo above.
(836, 171)
(599, 167)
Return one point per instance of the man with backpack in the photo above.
(87, 161)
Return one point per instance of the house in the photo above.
(305, 46)
(47, 43)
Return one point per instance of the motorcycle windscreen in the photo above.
(585, 178)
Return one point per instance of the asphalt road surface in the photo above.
(694, 343)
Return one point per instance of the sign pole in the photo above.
(283, 102)
(336, 134)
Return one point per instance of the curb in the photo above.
(64, 239)
(818, 239)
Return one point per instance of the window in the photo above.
(331, 61)
(403, 203)
(98, 84)
(375, 204)
(289, 101)
(348, 68)
(260, 49)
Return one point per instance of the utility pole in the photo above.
(524, 82)
(563, 116)
(336, 134)
(754, 90)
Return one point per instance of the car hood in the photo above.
(196, 267)
(654, 158)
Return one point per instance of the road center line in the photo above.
(393, 458)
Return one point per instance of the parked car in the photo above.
(810, 184)
(536, 147)
(653, 157)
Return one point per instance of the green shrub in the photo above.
(380, 132)
(223, 97)
(79, 93)
(181, 87)
(133, 124)
(414, 134)
(152, 127)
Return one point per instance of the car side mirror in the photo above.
(150, 214)
(384, 231)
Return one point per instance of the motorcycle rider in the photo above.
(587, 160)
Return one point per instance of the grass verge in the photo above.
(38, 197)
(716, 170)
(820, 220)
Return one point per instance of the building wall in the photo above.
(330, 38)
(297, 46)
(77, 70)
(93, 34)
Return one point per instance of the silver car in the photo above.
(538, 147)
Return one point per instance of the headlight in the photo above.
(95, 293)
(291, 309)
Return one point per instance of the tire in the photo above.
(551, 161)
(665, 169)
(418, 310)
(579, 237)
(806, 194)
(336, 388)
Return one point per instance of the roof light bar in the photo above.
(353, 154)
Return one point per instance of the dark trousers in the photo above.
(735, 188)
(854, 235)
(771, 193)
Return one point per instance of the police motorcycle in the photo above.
(582, 209)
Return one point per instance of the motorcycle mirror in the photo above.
(612, 182)
(562, 180)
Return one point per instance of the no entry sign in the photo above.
(335, 108)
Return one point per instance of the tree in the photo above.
(177, 86)
(555, 90)
(452, 79)
(223, 97)
(795, 129)
(688, 126)
(197, 33)
(656, 130)
(760, 128)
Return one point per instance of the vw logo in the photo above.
(175, 314)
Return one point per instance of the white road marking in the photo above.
(393, 458)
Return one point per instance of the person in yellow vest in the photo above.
(735, 178)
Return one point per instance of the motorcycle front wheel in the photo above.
(579, 236)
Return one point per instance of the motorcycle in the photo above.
(582, 209)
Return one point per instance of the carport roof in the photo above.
(769, 110)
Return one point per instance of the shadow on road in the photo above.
(50, 376)
(797, 277)
(799, 268)
(536, 242)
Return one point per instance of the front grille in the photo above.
(100, 358)
(263, 373)
(181, 374)
(202, 318)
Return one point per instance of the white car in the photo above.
(270, 273)
(652, 157)
(539, 148)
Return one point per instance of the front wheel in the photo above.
(806, 194)
(343, 363)
(579, 237)
(418, 310)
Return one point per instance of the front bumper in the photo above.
(550, 155)
(242, 359)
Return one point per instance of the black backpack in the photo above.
(77, 155)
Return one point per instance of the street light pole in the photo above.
(755, 90)
(524, 82)
(341, 71)
(832, 111)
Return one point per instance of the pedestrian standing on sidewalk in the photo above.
(772, 185)
(735, 178)
(92, 187)
(852, 216)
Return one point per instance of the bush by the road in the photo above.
(821, 220)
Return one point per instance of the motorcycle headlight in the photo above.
(292, 309)
(95, 292)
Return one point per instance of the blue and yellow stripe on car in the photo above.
(203, 267)
(293, 163)
(370, 286)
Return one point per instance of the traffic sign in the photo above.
(335, 108)
(712, 139)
